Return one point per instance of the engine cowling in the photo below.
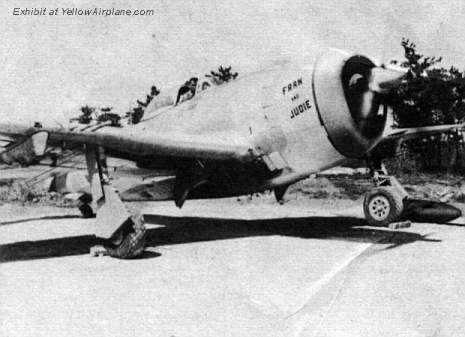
(348, 91)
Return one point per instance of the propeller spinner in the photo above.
(349, 93)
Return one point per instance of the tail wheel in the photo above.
(382, 206)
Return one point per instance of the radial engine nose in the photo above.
(348, 91)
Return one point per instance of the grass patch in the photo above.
(19, 191)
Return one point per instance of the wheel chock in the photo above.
(400, 224)
(97, 251)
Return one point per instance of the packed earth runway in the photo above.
(233, 267)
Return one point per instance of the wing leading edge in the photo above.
(389, 144)
(213, 146)
(406, 133)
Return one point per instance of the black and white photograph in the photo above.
(214, 168)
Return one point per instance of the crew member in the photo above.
(187, 89)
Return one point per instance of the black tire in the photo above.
(86, 211)
(382, 206)
(128, 242)
(429, 211)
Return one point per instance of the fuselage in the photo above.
(273, 109)
(276, 111)
(295, 119)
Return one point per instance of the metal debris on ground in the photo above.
(400, 224)
(97, 251)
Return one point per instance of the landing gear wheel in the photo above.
(86, 211)
(128, 242)
(382, 206)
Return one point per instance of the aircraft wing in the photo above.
(389, 144)
(406, 133)
(211, 146)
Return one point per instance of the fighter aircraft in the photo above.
(264, 131)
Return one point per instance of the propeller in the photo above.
(364, 85)
(351, 95)
(384, 79)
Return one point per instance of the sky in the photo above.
(53, 64)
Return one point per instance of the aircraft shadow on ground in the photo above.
(47, 217)
(192, 229)
(179, 230)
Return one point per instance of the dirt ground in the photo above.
(30, 184)
(243, 266)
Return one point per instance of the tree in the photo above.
(107, 115)
(137, 113)
(430, 95)
(222, 75)
(86, 115)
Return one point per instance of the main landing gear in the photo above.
(121, 231)
(389, 202)
(385, 203)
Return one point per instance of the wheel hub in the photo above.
(379, 207)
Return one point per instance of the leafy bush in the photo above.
(431, 95)
(223, 75)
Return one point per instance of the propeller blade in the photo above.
(383, 79)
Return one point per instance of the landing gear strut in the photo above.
(123, 233)
(385, 203)
(389, 202)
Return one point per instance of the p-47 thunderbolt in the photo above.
(264, 131)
